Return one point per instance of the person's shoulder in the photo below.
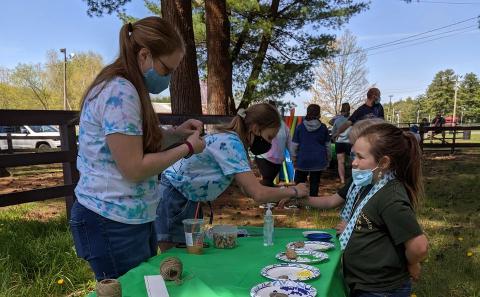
(224, 136)
(124, 85)
(393, 192)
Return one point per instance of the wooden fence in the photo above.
(66, 120)
(67, 155)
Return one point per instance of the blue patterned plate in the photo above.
(312, 245)
(303, 256)
(286, 287)
(290, 271)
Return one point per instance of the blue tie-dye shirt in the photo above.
(204, 176)
(102, 188)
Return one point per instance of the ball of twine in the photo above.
(109, 288)
(171, 269)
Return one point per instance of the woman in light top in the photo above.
(120, 150)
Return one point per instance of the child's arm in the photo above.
(260, 193)
(324, 202)
(416, 250)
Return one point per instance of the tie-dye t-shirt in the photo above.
(204, 176)
(102, 188)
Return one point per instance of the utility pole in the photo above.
(455, 103)
(391, 107)
(64, 51)
(418, 115)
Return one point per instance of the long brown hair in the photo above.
(263, 115)
(405, 156)
(161, 39)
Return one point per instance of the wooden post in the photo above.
(453, 140)
(9, 144)
(70, 173)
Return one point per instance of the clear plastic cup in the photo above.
(194, 234)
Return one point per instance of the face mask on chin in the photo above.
(362, 177)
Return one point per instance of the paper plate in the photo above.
(319, 237)
(312, 245)
(289, 288)
(303, 256)
(292, 271)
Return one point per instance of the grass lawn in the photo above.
(36, 249)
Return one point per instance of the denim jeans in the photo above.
(171, 211)
(404, 291)
(110, 247)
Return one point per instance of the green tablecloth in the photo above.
(233, 272)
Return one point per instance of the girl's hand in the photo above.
(415, 270)
(302, 190)
(197, 142)
(188, 127)
(282, 203)
(340, 227)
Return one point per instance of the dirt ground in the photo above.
(232, 207)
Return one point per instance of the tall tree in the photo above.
(185, 85)
(278, 44)
(469, 98)
(81, 71)
(219, 65)
(33, 78)
(342, 77)
(440, 93)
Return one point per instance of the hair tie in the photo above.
(242, 113)
(130, 28)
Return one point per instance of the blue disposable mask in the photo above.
(155, 82)
(362, 177)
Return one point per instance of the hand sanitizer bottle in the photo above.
(268, 226)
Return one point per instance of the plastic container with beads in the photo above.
(224, 236)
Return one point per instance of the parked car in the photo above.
(31, 132)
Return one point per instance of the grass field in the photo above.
(37, 257)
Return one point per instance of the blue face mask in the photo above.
(362, 177)
(377, 101)
(155, 82)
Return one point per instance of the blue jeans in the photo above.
(404, 291)
(110, 247)
(171, 211)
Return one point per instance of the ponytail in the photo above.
(413, 170)
(404, 153)
(263, 115)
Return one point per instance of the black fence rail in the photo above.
(67, 155)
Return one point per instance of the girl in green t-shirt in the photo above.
(381, 239)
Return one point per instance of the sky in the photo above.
(31, 28)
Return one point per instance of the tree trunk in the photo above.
(219, 65)
(259, 58)
(185, 84)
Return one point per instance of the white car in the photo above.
(31, 132)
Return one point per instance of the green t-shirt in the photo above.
(374, 259)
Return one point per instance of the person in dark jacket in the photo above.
(311, 149)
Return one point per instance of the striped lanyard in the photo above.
(346, 213)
